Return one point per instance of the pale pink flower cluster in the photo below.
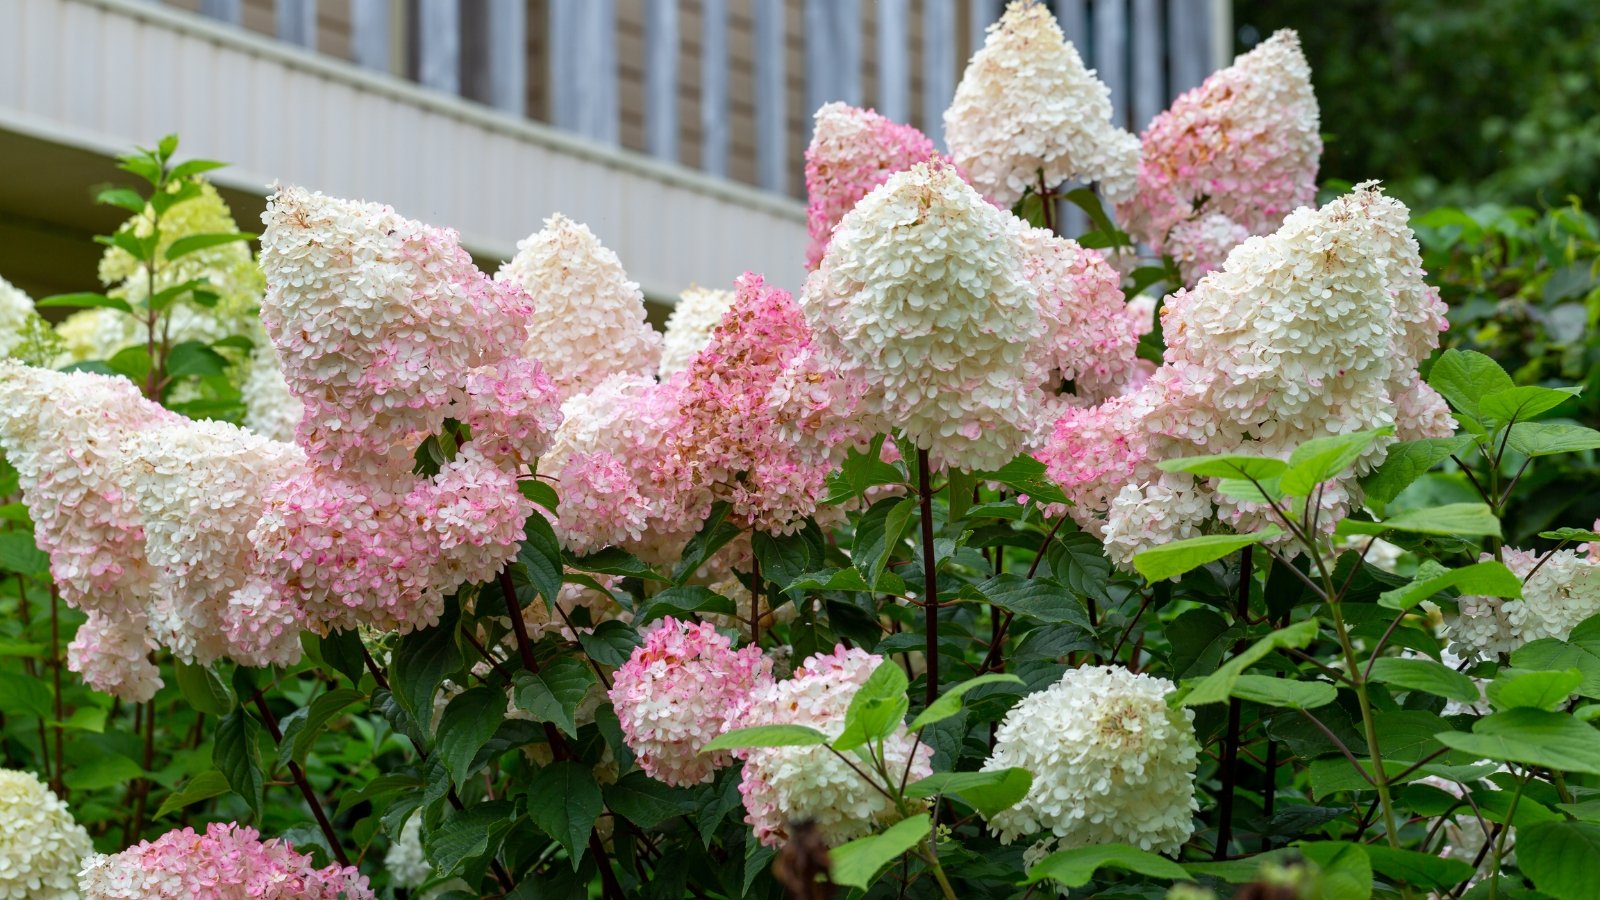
(937, 314)
(64, 431)
(782, 785)
(677, 692)
(689, 326)
(1028, 114)
(852, 151)
(1312, 331)
(386, 330)
(1563, 592)
(1230, 159)
(589, 318)
(228, 862)
(726, 441)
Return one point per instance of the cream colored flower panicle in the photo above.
(15, 309)
(41, 844)
(1111, 762)
(589, 319)
(270, 410)
(689, 327)
(922, 305)
(1026, 105)
(1563, 592)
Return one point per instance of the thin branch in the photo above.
(1327, 733)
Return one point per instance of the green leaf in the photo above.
(1218, 686)
(1520, 404)
(611, 643)
(83, 300)
(1228, 465)
(22, 695)
(103, 771)
(193, 167)
(540, 554)
(203, 689)
(1550, 438)
(1557, 857)
(1488, 579)
(878, 535)
(318, 715)
(785, 558)
(127, 199)
(680, 602)
(344, 651)
(644, 801)
(1406, 461)
(553, 693)
(1463, 377)
(987, 792)
(204, 786)
(564, 802)
(1571, 534)
(1513, 688)
(949, 703)
(857, 863)
(1088, 201)
(1324, 458)
(1452, 519)
(1074, 868)
(167, 146)
(163, 298)
(617, 561)
(196, 242)
(1417, 869)
(195, 358)
(766, 736)
(1041, 599)
(472, 833)
(132, 362)
(1027, 475)
(877, 708)
(466, 725)
(421, 661)
(1178, 557)
(236, 753)
(1425, 675)
(1346, 870)
(1533, 737)
(714, 533)
(1285, 692)
(18, 553)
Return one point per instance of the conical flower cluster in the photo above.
(228, 861)
(41, 845)
(589, 318)
(1028, 114)
(689, 327)
(852, 151)
(1230, 159)
(1312, 331)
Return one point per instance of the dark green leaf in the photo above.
(421, 661)
(318, 715)
(610, 643)
(540, 554)
(680, 602)
(616, 561)
(1464, 377)
(553, 693)
(466, 725)
(195, 358)
(204, 786)
(472, 833)
(1027, 475)
(237, 755)
(1557, 857)
(18, 553)
(1425, 675)
(343, 650)
(203, 689)
(1218, 686)
(714, 533)
(949, 703)
(1406, 461)
(644, 801)
(1533, 737)
(1074, 868)
(564, 801)
(878, 535)
(1042, 599)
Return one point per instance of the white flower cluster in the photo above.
(41, 845)
(791, 784)
(1026, 105)
(405, 861)
(1111, 762)
(589, 319)
(15, 310)
(1562, 593)
(269, 409)
(689, 327)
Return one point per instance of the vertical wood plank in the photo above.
(1111, 54)
(230, 11)
(833, 52)
(938, 65)
(714, 86)
(772, 133)
(583, 67)
(1189, 43)
(297, 22)
(369, 33)
(507, 28)
(1149, 89)
(894, 59)
(1073, 16)
(439, 46)
(661, 78)
(980, 15)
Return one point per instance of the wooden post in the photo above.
(439, 46)
(1149, 89)
(229, 11)
(583, 68)
(506, 41)
(894, 50)
(661, 78)
(1111, 54)
(369, 34)
(833, 52)
(714, 86)
(938, 65)
(1189, 43)
(297, 22)
(772, 132)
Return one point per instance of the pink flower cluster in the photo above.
(1230, 159)
(228, 862)
(386, 330)
(679, 691)
(852, 151)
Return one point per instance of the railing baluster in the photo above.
(583, 67)
(506, 40)
(369, 34)
(439, 46)
(894, 64)
(1073, 18)
(938, 65)
(297, 22)
(661, 78)
(1189, 43)
(714, 86)
(980, 15)
(1111, 54)
(772, 130)
(833, 52)
(1148, 89)
(230, 11)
